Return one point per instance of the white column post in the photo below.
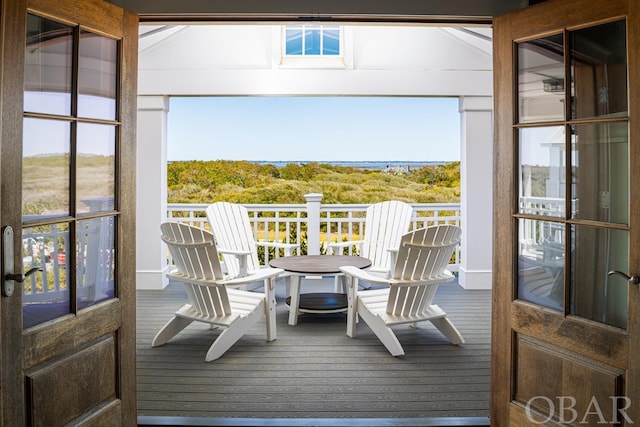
(313, 223)
(476, 182)
(151, 180)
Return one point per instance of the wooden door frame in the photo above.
(18, 349)
(544, 18)
(12, 80)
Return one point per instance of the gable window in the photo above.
(313, 46)
(312, 40)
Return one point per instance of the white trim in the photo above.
(476, 103)
(151, 280)
(312, 62)
(153, 103)
(475, 280)
(151, 198)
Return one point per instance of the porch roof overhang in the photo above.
(240, 60)
(380, 10)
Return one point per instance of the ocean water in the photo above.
(394, 164)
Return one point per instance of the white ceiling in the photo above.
(247, 59)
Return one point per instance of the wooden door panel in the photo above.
(89, 377)
(548, 376)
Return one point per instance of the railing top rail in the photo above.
(298, 206)
(273, 206)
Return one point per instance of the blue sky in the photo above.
(314, 128)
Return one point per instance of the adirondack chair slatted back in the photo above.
(422, 261)
(196, 259)
(385, 223)
(232, 230)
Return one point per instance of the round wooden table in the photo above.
(319, 265)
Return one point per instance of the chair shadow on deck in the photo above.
(314, 370)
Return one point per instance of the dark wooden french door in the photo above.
(67, 181)
(566, 324)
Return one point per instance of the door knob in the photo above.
(634, 280)
(10, 276)
(17, 277)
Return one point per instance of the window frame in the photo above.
(344, 60)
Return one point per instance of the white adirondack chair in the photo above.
(211, 300)
(385, 223)
(420, 267)
(235, 240)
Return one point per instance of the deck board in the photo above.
(313, 370)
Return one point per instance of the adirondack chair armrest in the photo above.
(242, 258)
(288, 247)
(364, 275)
(446, 276)
(234, 252)
(338, 245)
(262, 274)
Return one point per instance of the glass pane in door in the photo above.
(595, 294)
(95, 260)
(599, 71)
(46, 161)
(542, 171)
(601, 172)
(48, 66)
(95, 168)
(541, 80)
(97, 77)
(541, 262)
(45, 294)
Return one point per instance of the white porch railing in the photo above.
(313, 224)
(310, 224)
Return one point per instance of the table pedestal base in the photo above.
(316, 265)
(321, 302)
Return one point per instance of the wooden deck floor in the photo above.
(313, 370)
